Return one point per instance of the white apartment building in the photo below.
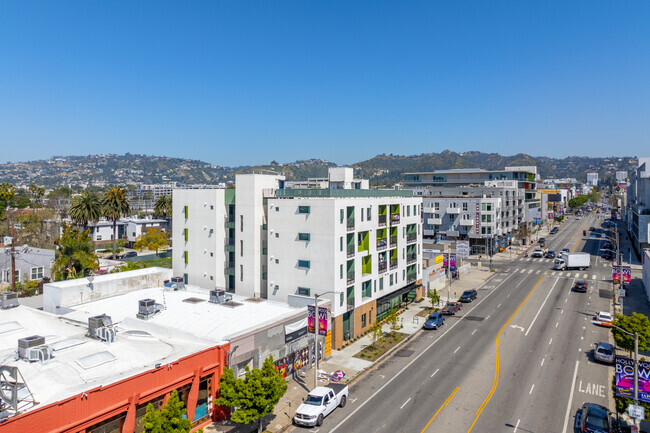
(592, 179)
(337, 178)
(361, 249)
(638, 204)
(621, 176)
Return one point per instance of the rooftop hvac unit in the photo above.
(219, 296)
(8, 300)
(147, 308)
(101, 328)
(179, 281)
(27, 343)
(39, 353)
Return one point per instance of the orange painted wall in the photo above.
(75, 414)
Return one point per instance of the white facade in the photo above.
(592, 179)
(621, 176)
(638, 204)
(308, 249)
(136, 226)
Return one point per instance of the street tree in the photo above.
(253, 396)
(613, 200)
(634, 323)
(434, 297)
(152, 240)
(376, 332)
(163, 207)
(85, 209)
(115, 205)
(169, 419)
(74, 256)
(392, 320)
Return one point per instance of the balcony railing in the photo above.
(394, 219)
(350, 304)
(411, 258)
(350, 277)
(411, 238)
(381, 244)
(393, 241)
(382, 267)
(350, 250)
(382, 220)
(393, 263)
(410, 279)
(453, 210)
(350, 224)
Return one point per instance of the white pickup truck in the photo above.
(320, 402)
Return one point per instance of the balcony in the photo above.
(382, 220)
(466, 222)
(434, 221)
(350, 304)
(453, 210)
(394, 219)
(393, 241)
(429, 232)
(410, 238)
(350, 251)
(410, 279)
(230, 224)
(382, 267)
(393, 263)
(381, 244)
(350, 278)
(350, 225)
(411, 258)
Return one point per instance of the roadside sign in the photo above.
(621, 293)
(462, 249)
(635, 411)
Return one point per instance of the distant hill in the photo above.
(382, 170)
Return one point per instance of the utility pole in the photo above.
(13, 259)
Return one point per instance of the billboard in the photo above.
(462, 249)
(625, 378)
(322, 320)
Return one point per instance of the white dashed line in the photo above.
(550, 341)
(402, 407)
(531, 389)
(516, 426)
(542, 362)
(557, 323)
(434, 373)
(458, 348)
(473, 332)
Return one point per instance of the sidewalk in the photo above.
(344, 359)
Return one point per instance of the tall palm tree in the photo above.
(115, 205)
(163, 206)
(85, 208)
(7, 192)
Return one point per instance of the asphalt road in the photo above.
(516, 359)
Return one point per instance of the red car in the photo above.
(451, 308)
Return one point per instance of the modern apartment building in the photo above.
(592, 179)
(621, 176)
(638, 204)
(360, 248)
(485, 215)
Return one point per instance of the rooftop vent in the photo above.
(34, 349)
(219, 296)
(8, 300)
(176, 283)
(148, 308)
(101, 328)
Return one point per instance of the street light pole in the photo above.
(316, 352)
(636, 369)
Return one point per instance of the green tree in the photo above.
(115, 205)
(594, 197)
(434, 297)
(85, 208)
(75, 256)
(253, 396)
(163, 207)
(578, 201)
(169, 419)
(634, 323)
(152, 240)
(392, 320)
(7, 193)
(376, 332)
(613, 200)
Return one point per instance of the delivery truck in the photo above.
(572, 261)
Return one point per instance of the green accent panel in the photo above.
(364, 241)
(366, 265)
(343, 193)
(229, 196)
(382, 209)
(229, 248)
(229, 271)
(230, 225)
(393, 253)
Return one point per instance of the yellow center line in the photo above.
(495, 383)
(451, 396)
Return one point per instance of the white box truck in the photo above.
(567, 261)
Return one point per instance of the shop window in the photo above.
(110, 425)
(363, 320)
(142, 409)
(304, 291)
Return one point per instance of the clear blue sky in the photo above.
(238, 83)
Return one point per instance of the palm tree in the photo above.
(163, 206)
(7, 192)
(115, 206)
(85, 208)
(74, 255)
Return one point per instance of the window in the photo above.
(303, 236)
(366, 289)
(342, 215)
(304, 291)
(277, 208)
(186, 234)
(341, 272)
(391, 279)
(341, 243)
(303, 209)
(362, 214)
(277, 261)
(436, 206)
(369, 317)
(211, 207)
(241, 223)
(211, 254)
(381, 284)
(304, 264)
(464, 206)
(99, 237)
(369, 214)
(241, 272)
(363, 320)
(241, 248)
(36, 273)
(375, 286)
(408, 211)
(186, 211)
(277, 235)
(341, 299)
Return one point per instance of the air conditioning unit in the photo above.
(8, 300)
(29, 342)
(106, 334)
(219, 296)
(179, 282)
(148, 308)
(39, 354)
(98, 325)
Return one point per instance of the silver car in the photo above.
(604, 352)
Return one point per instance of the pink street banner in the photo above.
(626, 272)
(322, 320)
(616, 274)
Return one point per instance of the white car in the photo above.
(538, 253)
(603, 318)
(320, 402)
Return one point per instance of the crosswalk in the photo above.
(559, 274)
(550, 261)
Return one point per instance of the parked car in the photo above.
(538, 252)
(580, 286)
(591, 229)
(468, 296)
(565, 250)
(542, 240)
(550, 254)
(603, 318)
(451, 308)
(554, 230)
(320, 402)
(434, 321)
(129, 254)
(595, 418)
(604, 352)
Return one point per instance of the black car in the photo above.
(554, 230)
(595, 418)
(130, 254)
(580, 286)
(468, 296)
(550, 254)
(542, 240)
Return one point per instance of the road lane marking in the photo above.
(451, 396)
(498, 305)
(434, 373)
(523, 270)
(568, 406)
(488, 316)
(593, 277)
(530, 270)
(531, 389)
(540, 308)
(516, 426)
(542, 362)
(473, 332)
(495, 383)
(538, 271)
(457, 349)
(402, 407)
(557, 323)
(550, 341)
(508, 295)
(407, 366)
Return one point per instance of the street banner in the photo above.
(625, 378)
(616, 274)
(322, 320)
(626, 273)
(462, 249)
(439, 259)
(453, 260)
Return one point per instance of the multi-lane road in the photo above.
(516, 359)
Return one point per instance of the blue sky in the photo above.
(239, 83)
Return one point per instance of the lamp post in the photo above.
(316, 296)
(636, 367)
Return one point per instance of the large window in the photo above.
(304, 291)
(303, 236)
(304, 264)
(36, 273)
(303, 209)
